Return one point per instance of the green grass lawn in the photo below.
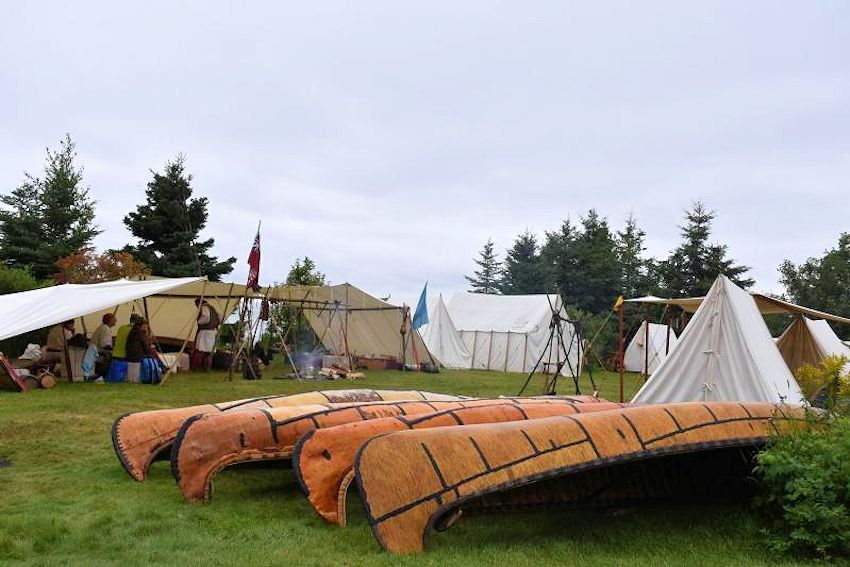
(64, 499)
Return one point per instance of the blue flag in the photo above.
(421, 316)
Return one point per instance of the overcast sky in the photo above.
(389, 140)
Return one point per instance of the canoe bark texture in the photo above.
(323, 459)
(416, 480)
(208, 443)
(142, 437)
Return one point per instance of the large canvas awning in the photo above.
(35, 309)
(766, 305)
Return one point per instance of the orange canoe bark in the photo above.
(413, 481)
(323, 459)
(206, 444)
(142, 437)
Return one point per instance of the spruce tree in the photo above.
(559, 261)
(50, 218)
(487, 278)
(694, 265)
(599, 280)
(634, 272)
(168, 226)
(522, 273)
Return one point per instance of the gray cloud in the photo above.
(388, 141)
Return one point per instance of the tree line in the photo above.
(47, 226)
(590, 264)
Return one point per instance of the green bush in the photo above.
(805, 479)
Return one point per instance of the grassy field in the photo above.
(64, 498)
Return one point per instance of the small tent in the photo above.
(725, 353)
(639, 351)
(442, 338)
(511, 333)
(808, 341)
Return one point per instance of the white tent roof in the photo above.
(725, 353)
(510, 333)
(442, 338)
(502, 313)
(30, 310)
(636, 353)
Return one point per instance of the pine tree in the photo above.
(599, 281)
(559, 261)
(487, 278)
(634, 272)
(48, 219)
(168, 226)
(522, 273)
(694, 265)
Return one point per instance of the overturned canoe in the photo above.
(142, 437)
(323, 459)
(413, 481)
(206, 444)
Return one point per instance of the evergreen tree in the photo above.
(634, 273)
(168, 226)
(522, 273)
(822, 283)
(559, 261)
(694, 265)
(599, 281)
(48, 219)
(487, 278)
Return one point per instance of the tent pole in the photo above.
(507, 349)
(489, 350)
(646, 342)
(669, 326)
(185, 341)
(525, 353)
(474, 344)
(621, 324)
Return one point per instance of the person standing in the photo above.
(208, 322)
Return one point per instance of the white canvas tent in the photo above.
(808, 341)
(442, 338)
(639, 351)
(725, 353)
(348, 320)
(510, 333)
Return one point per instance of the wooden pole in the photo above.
(621, 329)
(646, 342)
(185, 341)
(669, 328)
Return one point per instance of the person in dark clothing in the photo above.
(140, 349)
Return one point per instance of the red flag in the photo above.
(254, 263)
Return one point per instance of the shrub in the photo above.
(805, 477)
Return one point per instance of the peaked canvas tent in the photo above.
(442, 338)
(348, 320)
(510, 333)
(808, 341)
(639, 352)
(725, 353)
